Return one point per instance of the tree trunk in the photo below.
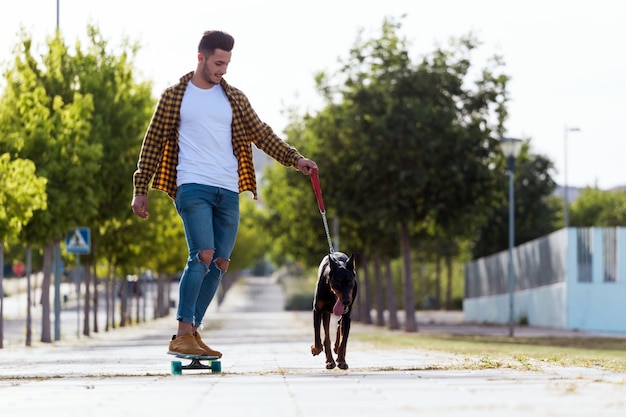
(124, 303)
(46, 336)
(168, 297)
(138, 298)
(357, 306)
(107, 303)
(160, 296)
(366, 305)
(94, 299)
(87, 302)
(449, 282)
(380, 304)
(1, 294)
(113, 295)
(410, 323)
(391, 297)
(29, 317)
(438, 282)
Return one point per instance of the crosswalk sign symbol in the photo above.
(77, 240)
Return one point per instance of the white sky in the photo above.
(566, 58)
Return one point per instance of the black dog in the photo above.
(335, 293)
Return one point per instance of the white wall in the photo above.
(542, 307)
(596, 306)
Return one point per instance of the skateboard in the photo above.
(213, 363)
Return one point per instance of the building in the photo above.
(571, 279)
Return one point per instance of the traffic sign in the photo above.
(78, 240)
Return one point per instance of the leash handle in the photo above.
(315, 180)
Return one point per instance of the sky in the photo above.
(565, 58)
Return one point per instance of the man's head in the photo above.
(215, 39)
(214, 51)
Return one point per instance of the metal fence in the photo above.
(536, 263)
(542, 262)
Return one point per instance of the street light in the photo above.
(565, 188)
(511, 149)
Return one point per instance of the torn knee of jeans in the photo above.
(206, 256)
(222, 264)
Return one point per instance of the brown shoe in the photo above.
(202, 345)
(185, 345)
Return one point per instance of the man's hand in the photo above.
(140, 206)
(306, 166)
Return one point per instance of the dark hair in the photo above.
(215, 39)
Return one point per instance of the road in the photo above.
(267, 369)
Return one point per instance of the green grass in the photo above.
(518, 352)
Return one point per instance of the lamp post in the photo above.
(511, 149)
(565, 188)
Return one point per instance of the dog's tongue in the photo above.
(338, 309)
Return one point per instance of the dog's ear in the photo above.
(332, 262)
(351, 264)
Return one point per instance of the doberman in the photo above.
(335, 293)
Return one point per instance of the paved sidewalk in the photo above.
(268, 370)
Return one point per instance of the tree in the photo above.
(536, 209)
(122, 109)
(79, 117)
(53, 123)
(22, 193)
(598, 208)
(407, 145)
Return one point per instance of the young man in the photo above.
(197, 149)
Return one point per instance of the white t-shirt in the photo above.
(204, 139)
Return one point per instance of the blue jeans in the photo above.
(210, 217)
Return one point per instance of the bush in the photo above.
(299, 302)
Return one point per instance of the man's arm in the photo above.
(151, 148)
(149, 157)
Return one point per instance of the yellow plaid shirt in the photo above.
(159, 152)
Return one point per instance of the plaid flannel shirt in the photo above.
(158, 158)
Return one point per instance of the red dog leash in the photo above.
(315, 180)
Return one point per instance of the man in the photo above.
(197, 149)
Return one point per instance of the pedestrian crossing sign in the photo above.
(78, 240)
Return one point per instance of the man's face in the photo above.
(214, 67)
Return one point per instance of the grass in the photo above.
(519, 352)
(485, 352)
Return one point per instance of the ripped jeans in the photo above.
(210, 217)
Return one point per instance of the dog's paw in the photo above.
(316, 350)
(330, 365)
(342, 365)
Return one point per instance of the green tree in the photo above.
(122, 109)
(251, 244)
(536, 209)
(53, 123)
(22, 193)
(79, 116)
(403, 145)
(598, 208)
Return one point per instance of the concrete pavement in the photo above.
(267, 369)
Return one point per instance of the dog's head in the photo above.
(341, 279)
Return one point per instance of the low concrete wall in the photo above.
(572, 279)
(542, 307)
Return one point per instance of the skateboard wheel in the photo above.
(216, 366)
(177, 368)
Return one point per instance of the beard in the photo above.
(208, 77)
